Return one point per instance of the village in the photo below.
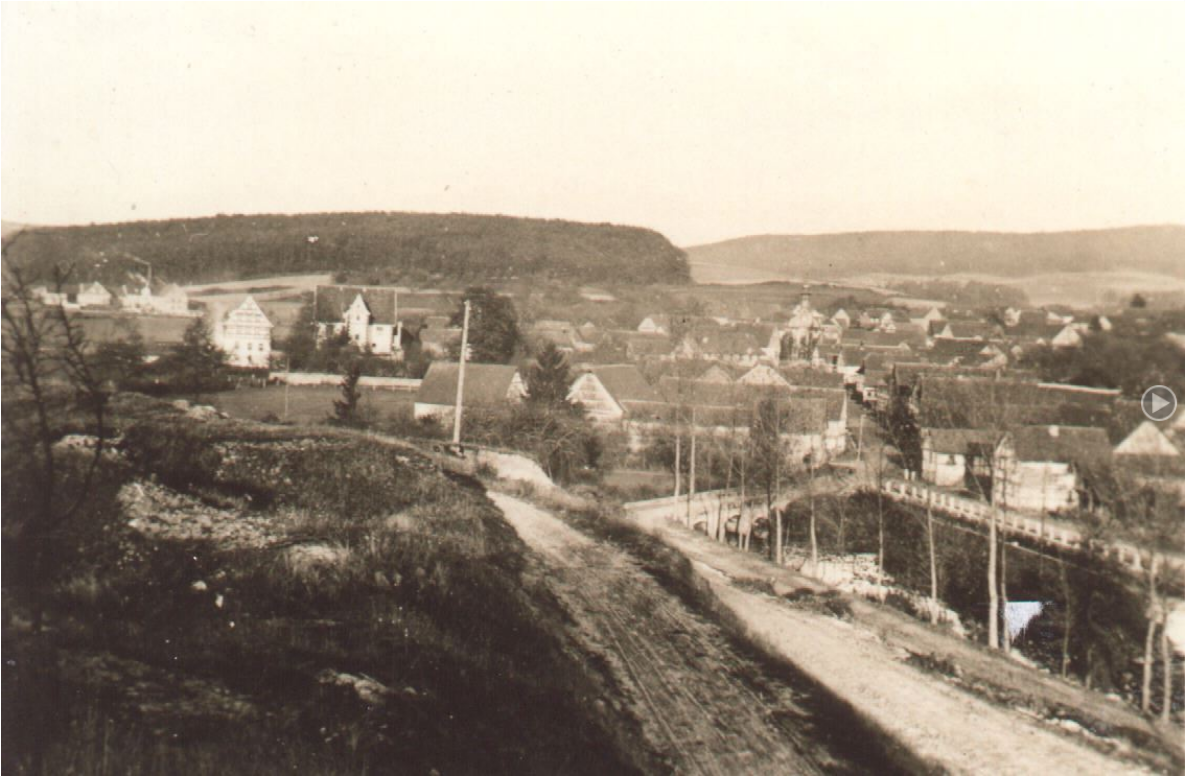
(593, 389)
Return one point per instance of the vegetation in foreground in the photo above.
(372, 617)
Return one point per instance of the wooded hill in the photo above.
(381, 247)
(1152, 249)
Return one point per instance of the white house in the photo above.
(368, 315)
(609, 394)
(655, 324)
(1042, 468)
(1069, 336)
(950, 454)
(246, 335)
(94, 294)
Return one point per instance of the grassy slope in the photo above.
(141, 672)
(1157, 250)
(381, 245)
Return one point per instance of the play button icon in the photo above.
(1159, 403)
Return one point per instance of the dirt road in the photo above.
(703, 703)
(865, 663)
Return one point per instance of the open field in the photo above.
(1079, 290)
(296, 282)
(308, 404)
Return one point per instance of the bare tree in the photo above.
(48, 376)
(993, 408)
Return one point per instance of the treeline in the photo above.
(967, 294)
(1114, 361)
(368, 247)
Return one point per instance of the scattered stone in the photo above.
(198, 586)
(368, 689)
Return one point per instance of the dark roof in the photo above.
(1060, 444)
(958, 352)
(877, 338)
(647, 344)
(484, 383)
(971, 329)
(729, 342)
(876, 364)
(1034, 331)
(957, 441)
(810, 377)
(626, 384)
(331, 301)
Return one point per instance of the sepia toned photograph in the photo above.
(567, 388)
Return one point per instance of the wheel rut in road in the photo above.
(702, 703)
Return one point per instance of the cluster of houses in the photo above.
(143, 297)
(1033, 446)
(814, 410)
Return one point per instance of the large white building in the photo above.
(246, 335)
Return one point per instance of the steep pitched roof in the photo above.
(625, 383)
(484, 383)
(331, 301)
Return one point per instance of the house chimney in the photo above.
(1053, 431)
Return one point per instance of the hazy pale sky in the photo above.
(704, 122)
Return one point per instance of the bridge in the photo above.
(1052, 531)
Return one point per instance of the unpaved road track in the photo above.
(702, 704)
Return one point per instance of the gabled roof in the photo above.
(955, 351)
(879, 339)
(484, 383)
(876, 364)
(970, 329)
(250, 308)
(331, 301)
(1148, 439)
(625, 383)
(720, 374)
(810, 377)
(1059, 444)
(957, 441)
(643, 344)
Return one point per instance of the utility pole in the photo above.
(459, 388)
(691, 468)
(285, 414)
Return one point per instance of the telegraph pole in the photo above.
(285, 414)
(691, 468)
(459, 388)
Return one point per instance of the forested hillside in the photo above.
(381, 247)
(1154, 250)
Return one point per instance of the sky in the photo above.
(704, 122)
